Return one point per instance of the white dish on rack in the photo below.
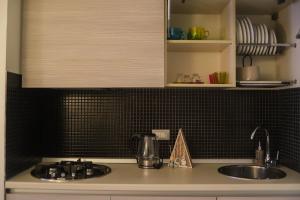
(274, 42)
(271, 37)
(244, 34)
(251, 34)
(266, 33)
(239, 35)
(262, 29)
(261, 39)
(255, 39)
(258, 40)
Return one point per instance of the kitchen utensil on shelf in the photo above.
(197, 33)
(179, 78)
(187, 78)
(196, 78)
(176, 33)
(218, 78)
(249, 72)
(147, 155)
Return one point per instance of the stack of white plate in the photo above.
(254, 37)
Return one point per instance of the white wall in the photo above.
(289, 62)
(13, 36)
(3, 23)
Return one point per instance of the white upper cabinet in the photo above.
(95, 43)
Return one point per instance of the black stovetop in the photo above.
(69, 170)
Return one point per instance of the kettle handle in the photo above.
(134, 137)
(159, 165)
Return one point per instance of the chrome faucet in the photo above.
(268, 160)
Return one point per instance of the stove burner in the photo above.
(69, 170)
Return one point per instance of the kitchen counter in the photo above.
(203, 179)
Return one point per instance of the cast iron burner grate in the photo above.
(69, 170)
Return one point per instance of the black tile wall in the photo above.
(289, 129)
(99, 123)
(22, 127)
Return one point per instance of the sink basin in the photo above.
(251, 172)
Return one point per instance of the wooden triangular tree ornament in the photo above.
(180, 156)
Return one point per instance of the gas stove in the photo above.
(69, 170)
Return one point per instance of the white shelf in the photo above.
(198, 45)
(183, 85)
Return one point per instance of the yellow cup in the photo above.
(198, 33)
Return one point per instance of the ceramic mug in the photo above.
(250, 72)
(176, 34)
(198, 33)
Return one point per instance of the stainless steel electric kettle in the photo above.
(147, 155)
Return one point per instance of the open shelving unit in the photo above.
(204, 57)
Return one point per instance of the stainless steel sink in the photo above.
(251, 172)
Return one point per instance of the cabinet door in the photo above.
(95, 43)
(259, 198)
(159, 198)
(54, 197)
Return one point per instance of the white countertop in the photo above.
(203, 179)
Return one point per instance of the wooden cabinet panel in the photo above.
(99, 43)
(54, 197)
(159, 198)
(259, 198)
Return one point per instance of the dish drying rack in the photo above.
(280, 47)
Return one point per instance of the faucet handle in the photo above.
(277, 158)
(273, 162)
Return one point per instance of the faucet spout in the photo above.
(253, 133)
(268, 156)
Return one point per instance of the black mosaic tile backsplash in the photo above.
(22, 127)
(99, 123)
(289, 129)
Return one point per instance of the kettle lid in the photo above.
(148, 134)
